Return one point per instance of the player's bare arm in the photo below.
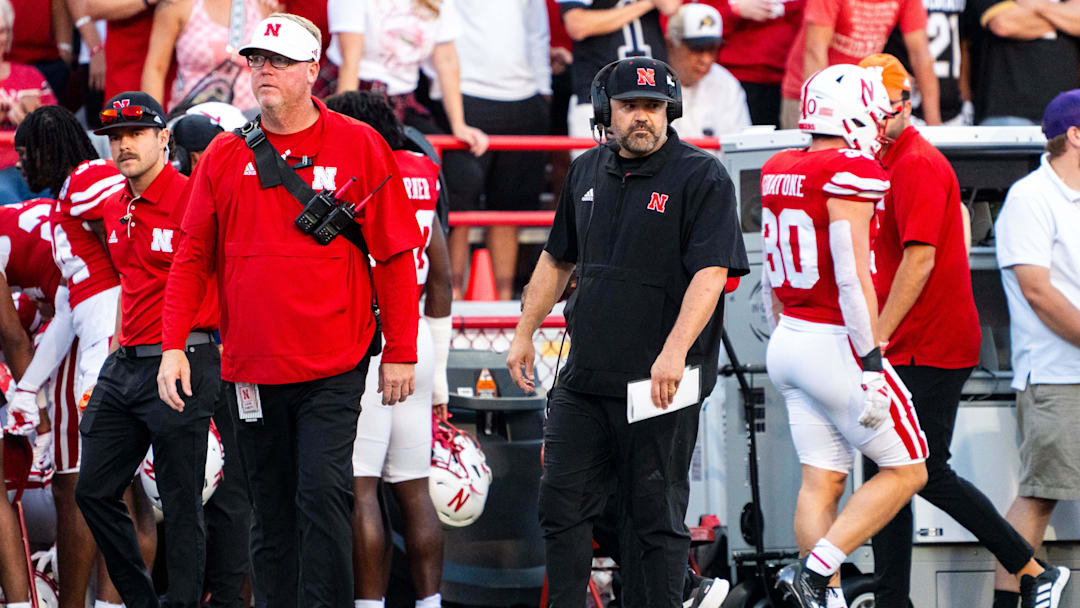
(1048, 303)
(547, 282)
(697, 307)
(16, 344)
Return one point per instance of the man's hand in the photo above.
(396, 382)
(97, 71)
(876, 400)
(476, 139)
(666, 374)
(758, 10)
(174, 366)
(522, 353)
(560, 59)
(440, 412)
(23, 415)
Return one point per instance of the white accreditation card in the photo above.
(639, 403)
(247, 400)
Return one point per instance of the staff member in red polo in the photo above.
(931, 328)
(296, 315)
(124, 415)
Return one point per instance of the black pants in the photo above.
(936, 395)
(763, 100)
(591, 451)
(228, 518)
(298, 460)
(123, 418)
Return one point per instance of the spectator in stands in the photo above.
(127, 39)
(208, 68)
(505, 86)
(604, 31)
(1022, 55)
(42, 38)
(845, 31)
(90, 68)
(947, 39)
(714, 103)
(22, 90)
(757, 37)
(1037, 249)
(380, 44)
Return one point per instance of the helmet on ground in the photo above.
(846, 101)
(460, 478)
(214, 471)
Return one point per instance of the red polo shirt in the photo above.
(142, 251)
(293, 310)
(923, 206)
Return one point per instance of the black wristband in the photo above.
(871, 361)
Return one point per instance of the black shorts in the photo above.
(499, 180)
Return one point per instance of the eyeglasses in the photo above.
(279, 62)
(113, 115)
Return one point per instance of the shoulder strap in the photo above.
(274, 171)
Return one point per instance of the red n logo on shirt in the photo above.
(459, 500)
(646, 76)
(657, 202)
(272, 29)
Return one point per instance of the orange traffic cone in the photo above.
(481, 278)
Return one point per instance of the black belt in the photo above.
(154, 350)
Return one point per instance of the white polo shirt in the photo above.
(714, 106)
(1040, 225)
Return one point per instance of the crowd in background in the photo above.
(475, 67)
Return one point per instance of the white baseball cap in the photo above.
(284, 37)
(701, 25)
(226, 116)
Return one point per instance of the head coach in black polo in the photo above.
(650, 223)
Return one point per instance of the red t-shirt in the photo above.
(756, 51)
(559, 37)
(26, 251)
(860, 29)
(293, 310)
(942, 328)
(795, 188)
(126, 44)
(142, 250)
(23, 80)
(421, 178)
(32, 39)
(314, 11)
(78, 252)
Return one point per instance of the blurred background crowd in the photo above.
(473, 68)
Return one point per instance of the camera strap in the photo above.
(274, 171)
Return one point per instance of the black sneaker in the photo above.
(1043, 591)
(807, 588)
(707, 593)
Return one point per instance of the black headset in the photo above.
(602, 104)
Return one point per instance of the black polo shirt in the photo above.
(638, 232)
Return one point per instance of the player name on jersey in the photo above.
(784, 184)
(417, 188)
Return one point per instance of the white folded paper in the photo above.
(639, 403)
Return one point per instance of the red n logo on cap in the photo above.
(121, 103)
(646, 76)
(272, 29)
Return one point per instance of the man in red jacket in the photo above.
(296, 315)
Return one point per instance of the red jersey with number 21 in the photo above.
(795, 187)
(78, 252)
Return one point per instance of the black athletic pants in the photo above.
(123, 418)
(936, 395)
(298, 460)
(590, 451)
(228, 517)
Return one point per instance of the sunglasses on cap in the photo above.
(113, 115)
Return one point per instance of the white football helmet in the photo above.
(846, 101)
(215, 465)
(460, 478)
